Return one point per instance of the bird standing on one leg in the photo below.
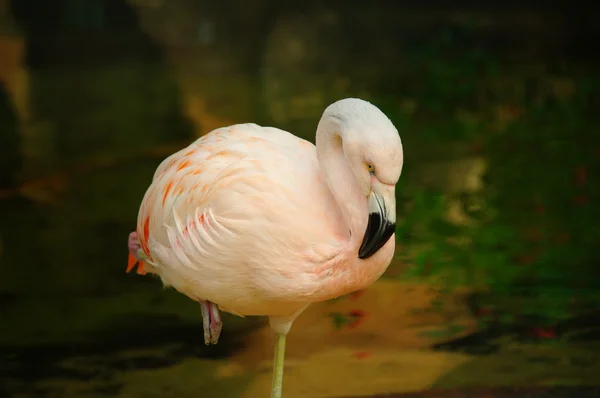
(253, 220)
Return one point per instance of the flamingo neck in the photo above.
(340, 178)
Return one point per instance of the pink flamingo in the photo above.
(253, 220)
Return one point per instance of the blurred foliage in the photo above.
(122, 109)
(10, 154)
(532, 232)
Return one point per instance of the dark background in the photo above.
(497, 106)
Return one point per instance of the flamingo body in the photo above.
(243, 218)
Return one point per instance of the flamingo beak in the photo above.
(380, 228)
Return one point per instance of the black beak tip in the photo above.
(376, 236)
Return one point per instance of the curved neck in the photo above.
(340, 178)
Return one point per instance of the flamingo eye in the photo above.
(371, 169)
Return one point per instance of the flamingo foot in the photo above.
(136, 255)
(211, 321)
(134, 245)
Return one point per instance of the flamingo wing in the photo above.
(243, 210)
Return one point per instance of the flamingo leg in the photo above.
(211, 322)
(215, 323)
(277, 385)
